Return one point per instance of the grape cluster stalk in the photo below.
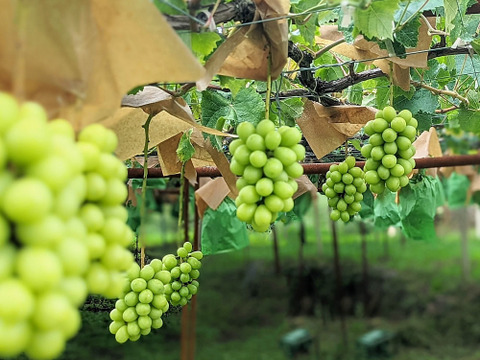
(63, 231)
(267, 160)
(389, 151)
(344, 189)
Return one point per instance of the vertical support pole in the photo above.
(276, 253)
(302, 244)
(462, 213)
(338, 282)
(316, 227)
(185, 321)
(363, 233)
(193, 301)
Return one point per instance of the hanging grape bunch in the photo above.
(184, 270)
(267, 161)
(149, 291)
(143, 303)
(63, 228)
(389, 151)
(344, 189)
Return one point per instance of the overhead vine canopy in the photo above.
(414, 54)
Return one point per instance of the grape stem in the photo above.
(143, 206)
(269, 86)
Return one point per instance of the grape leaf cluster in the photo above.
(389, 151)
(143, 303)
(344, 189)
(63, 227)
(184, 272)
(267, 161)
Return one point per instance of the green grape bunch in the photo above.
(140, 308)
(184, 270)
(389, 151)
(344, 189)
(267, 160)
(63, 231)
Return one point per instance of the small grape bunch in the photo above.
(267, 161)
(142, 305)
(184, 272)
(344, 188)
(389, 151)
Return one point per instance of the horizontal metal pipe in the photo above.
(322, 168)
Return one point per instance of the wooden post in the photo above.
(185, 337)
(276, 253)
(339, 285)
(462, 215)
(316, 226)
(363, 234)
(302, 244)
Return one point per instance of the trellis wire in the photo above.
(288, 16)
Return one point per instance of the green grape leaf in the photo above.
(422, 100)
(386, 212)
(408, 8)
(468, 65)
(204, 43)
(469, 120)
(455, 15)
(355, 94)
(367, 203)
(383, 93)
(288, 110)
(307, 30)
(465, 27)
(248, 105)
(177, 7)
(376, 21)
(222, 231)
(356, 144)
(185, 149)
(424, 121)
(408, 35)
(476, 45)
(214, 105)
(418, 204)
(235, 85)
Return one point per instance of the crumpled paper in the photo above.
(362, 49)
(79, 57)
(326, 128)
(428, 145)
(245, 53)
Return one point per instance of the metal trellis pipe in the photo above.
(322, 168)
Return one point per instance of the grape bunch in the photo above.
(183, 271)
(344, 189)
(51, 242)
(267, 161)
(143, 303)
(389, 151)
(103, 212)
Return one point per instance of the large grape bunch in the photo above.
(59, 234)
(267, 161)
(389, 151)
(184, 270)
(143, 303)
(344, 189)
